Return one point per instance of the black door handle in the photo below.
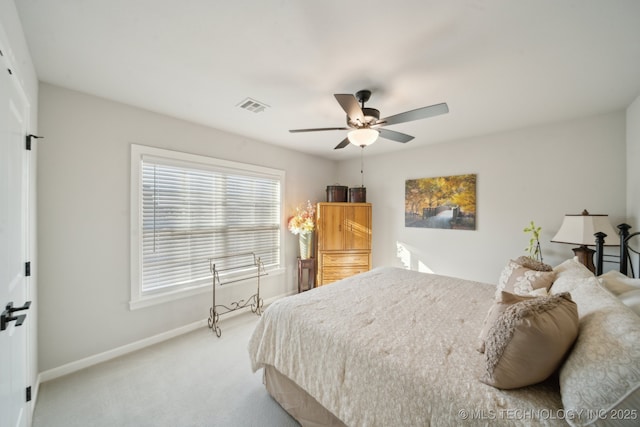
(7, 315)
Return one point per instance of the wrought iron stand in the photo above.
(254, 268)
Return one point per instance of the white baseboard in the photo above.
(71, 367)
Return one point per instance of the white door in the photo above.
(14, 220)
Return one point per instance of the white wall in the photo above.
(633, 164)
(633, 172)
(83, 192)
(15, 49)
(537, 174)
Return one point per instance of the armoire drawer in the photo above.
(332, 274)
(345, 259)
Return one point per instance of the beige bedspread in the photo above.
(395, 347)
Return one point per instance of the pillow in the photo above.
(540, 292)
(617, 283)
(570, 274)
(520, 280)
(533, 264)
(506, 299)
(602, 373)
(632, 300)
(528, 342)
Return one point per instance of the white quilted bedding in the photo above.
(395, 347)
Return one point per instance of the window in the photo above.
(187, 209)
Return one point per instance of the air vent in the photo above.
(253, 105)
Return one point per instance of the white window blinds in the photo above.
(193, 212)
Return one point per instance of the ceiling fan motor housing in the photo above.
(371, 117)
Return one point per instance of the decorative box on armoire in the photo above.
(344, 240)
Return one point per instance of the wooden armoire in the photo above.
(344, 240)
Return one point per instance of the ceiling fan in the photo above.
(365, 124)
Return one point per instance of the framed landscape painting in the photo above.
(444, 202)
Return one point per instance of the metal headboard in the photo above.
(629, 256)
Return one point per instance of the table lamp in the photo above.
(579, 229)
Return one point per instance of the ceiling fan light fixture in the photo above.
(363, 137)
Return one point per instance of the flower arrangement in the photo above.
(304, 220)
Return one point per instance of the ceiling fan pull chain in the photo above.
(362, 166)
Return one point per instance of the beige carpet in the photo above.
(193, 380)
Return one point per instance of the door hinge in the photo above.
(27, 269)
(29, 394)
(28, 140)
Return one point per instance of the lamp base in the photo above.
(585, 256)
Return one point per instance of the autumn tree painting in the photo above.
(442, 202)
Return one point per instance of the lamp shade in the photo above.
(579, 229)
(363, 137)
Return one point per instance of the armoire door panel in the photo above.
(358, 225)
(344, 240)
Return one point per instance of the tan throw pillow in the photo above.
(533, 264)
(528, 342)
(520, 280)
(506, 299)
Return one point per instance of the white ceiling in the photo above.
(499, 64)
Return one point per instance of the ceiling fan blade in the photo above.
(394, 136)
(343, 144)
(349, 104)
(315, 129)
(417, 114)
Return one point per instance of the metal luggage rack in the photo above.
(255, 270)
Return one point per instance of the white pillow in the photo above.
(569, 275)
(540, 292)
(632, 300)
(617, 283)
(602, 372)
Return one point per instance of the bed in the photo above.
(400, 347)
